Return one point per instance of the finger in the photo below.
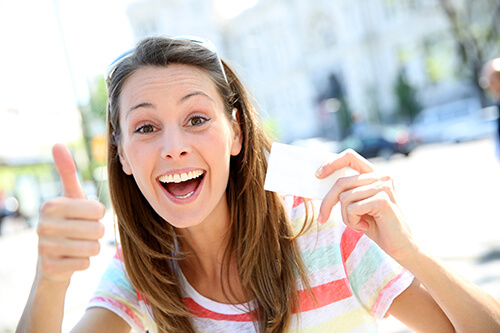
(365, 191)
(362, 193)
(341, 185)
(66, 169)
(67, 248)
(370, 207)
(55, 268)
(80, 209)
(348, 158)
(72, 229)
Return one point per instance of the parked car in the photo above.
(481, 124)
(456, 121)
(381, 141)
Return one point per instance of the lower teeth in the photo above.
(185, 196)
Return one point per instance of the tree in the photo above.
(406, 94)
(94, 119)
(475, 27)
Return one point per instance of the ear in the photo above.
(124, 161)
(237, 137)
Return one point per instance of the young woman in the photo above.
(205, 249)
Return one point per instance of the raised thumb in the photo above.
(66, 168)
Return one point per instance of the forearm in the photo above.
(467, 306)
(45, 307)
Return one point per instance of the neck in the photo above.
(206, 242)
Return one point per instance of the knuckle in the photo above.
(349, 209)
(84, 264)
(96, 230)
(45, 248)
(42, 228)
(100, 209)
(47, 208)
(343, 197)
(94, 248)
(47, 266)
(341, 183)
(53, 206)
(100, 230)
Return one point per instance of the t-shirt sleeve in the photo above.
(115, 293)
(375, 278)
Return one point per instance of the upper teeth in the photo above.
(180, 177)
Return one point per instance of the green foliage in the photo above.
(272, 127)
(475, 28)
(93, 121)
(408, 105)
(98, 98)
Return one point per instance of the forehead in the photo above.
(172, 81)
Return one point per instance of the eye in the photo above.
(144, 129)
(197, 121)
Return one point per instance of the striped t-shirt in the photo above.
(353, 280)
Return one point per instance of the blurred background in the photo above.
(399, 81)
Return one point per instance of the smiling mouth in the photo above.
(182, 185)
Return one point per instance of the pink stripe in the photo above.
(326, 294)
(119, 254)
(202, 312)
(348, 242)
(119, 305)
(297, 201)
(383, 291)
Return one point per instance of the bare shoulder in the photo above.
(101, 320)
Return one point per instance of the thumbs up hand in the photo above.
(69, 229)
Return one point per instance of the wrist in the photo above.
(45, 282)
(411, 256)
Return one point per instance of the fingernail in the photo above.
(319, 172)
(320, 219)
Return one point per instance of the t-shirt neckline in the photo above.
(207, 303)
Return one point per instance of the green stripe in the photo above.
(322, 257)
(371, 260)
(117, 277)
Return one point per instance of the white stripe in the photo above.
(326, 313)
(358, 253)
(391, 293)
(317, 240)
(374, 282)
(228, 309)
(119, 312)
(112, 288)
(325, 275)
(211, 325)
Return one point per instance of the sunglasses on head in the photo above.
(204, 42)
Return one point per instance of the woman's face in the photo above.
(177, 142)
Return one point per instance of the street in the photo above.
(448, 193)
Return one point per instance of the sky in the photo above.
(38, 85)
(49, 50)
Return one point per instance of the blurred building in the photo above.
(296, 55)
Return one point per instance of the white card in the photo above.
(292, 170)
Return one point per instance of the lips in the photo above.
(182, 185)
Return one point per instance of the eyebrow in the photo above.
(140, 105)
(195, 93)
(183, 99)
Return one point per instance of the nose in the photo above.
(174, 145)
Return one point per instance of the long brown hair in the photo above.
(261, 238)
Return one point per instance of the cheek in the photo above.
(136, 158)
